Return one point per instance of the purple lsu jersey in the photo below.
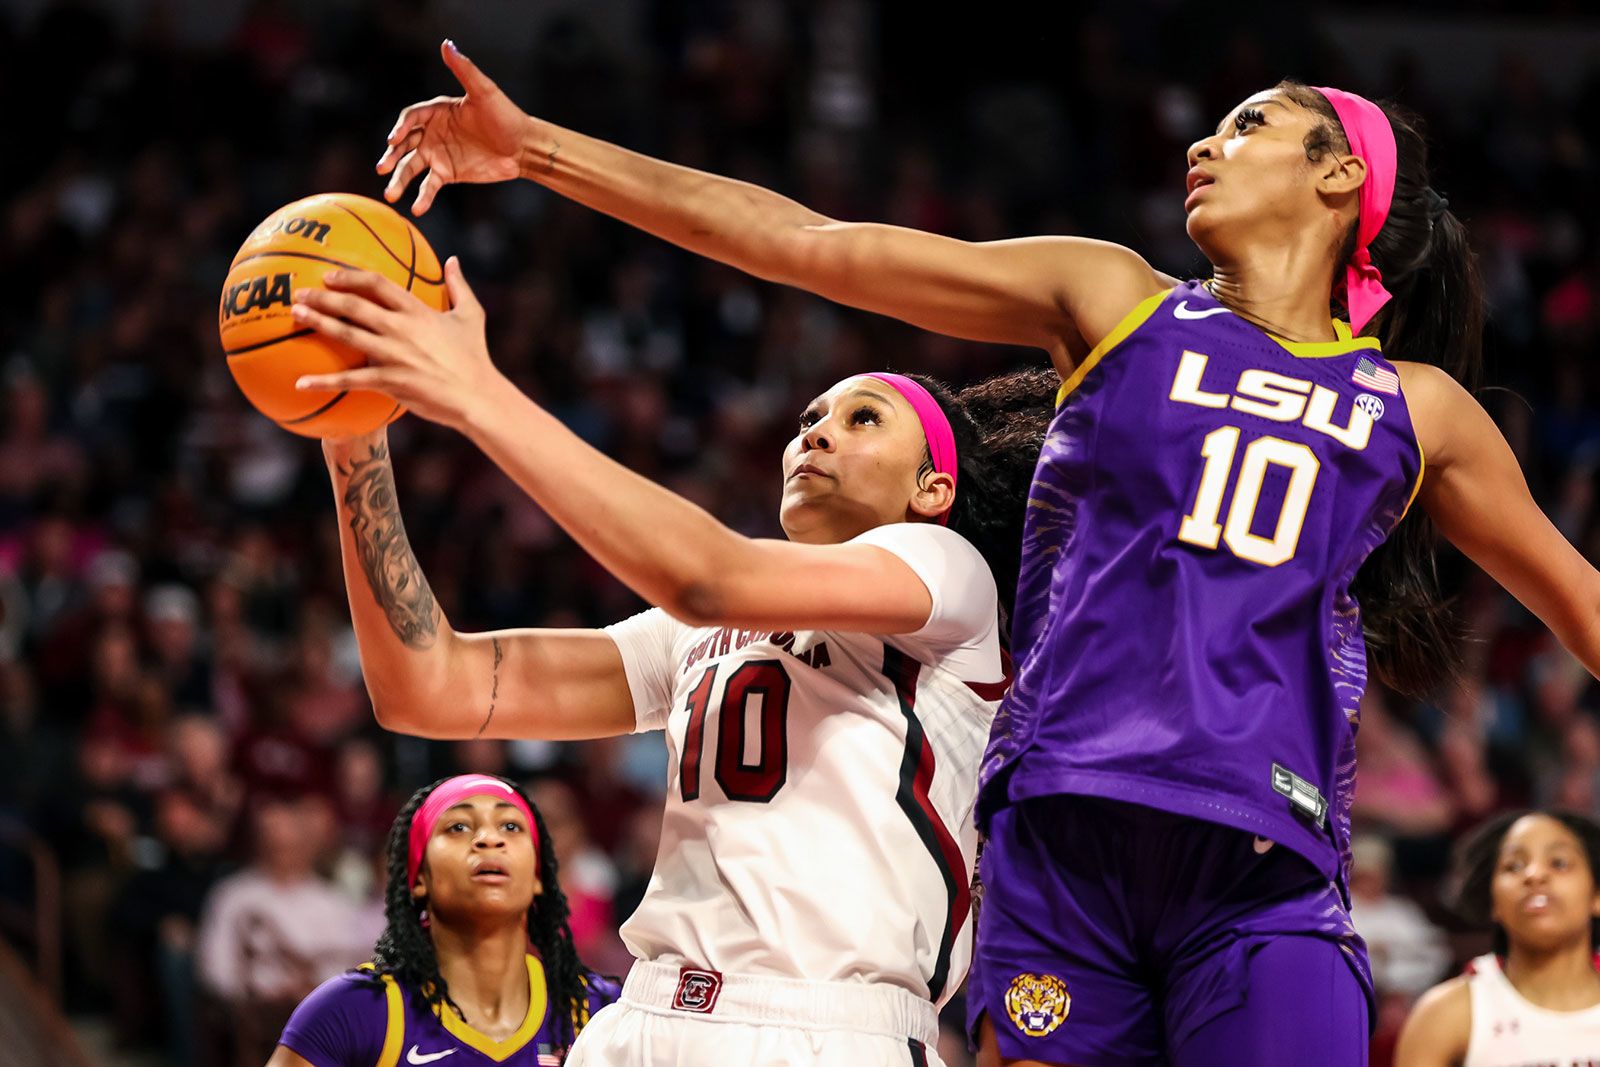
(1185, 636)
(358, 1019)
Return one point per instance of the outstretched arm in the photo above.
(1475, 492)
(426, 679)
(671, 552)
(1062, 294)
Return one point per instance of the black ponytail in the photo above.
(1414, 638)
(999, 426)
(405, 950)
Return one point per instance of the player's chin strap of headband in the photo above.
(451, 792)
(1371, 138)
(935, 427)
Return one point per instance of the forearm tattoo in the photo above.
(392, 571)
(494, 689)
(533, 162)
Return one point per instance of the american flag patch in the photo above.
(1369, 374)
(549, 1059)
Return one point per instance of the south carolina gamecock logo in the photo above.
(1037, 1003)
(697, 991)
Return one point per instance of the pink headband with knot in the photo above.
(1371, 138)
(935, 426)
(451, 792)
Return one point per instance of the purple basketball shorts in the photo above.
(1115, 935)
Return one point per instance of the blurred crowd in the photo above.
(182, 719)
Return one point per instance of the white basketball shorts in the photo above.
(673, 1016)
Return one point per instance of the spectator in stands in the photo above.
(587, 874)
(131, 468)
(172, 628)
(153, 927)
(1408, 952)
(273, 931)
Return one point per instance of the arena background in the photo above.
(179, 689)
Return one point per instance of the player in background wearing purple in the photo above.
(1531, 877)
(1215, 548)
(472, 887)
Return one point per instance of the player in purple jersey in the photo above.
(476, 962)
(1215, 547)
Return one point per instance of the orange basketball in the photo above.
(292, 250)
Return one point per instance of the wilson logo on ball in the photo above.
(310, 229)
(295, 248)
(256, 294)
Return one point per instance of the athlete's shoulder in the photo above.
(341, 1022)
(1424, 382)
(1439, 406)
(1122, 280)
(653, 627)
(362, 989)
(1439, 1027)
(929, 537)
(952, 568)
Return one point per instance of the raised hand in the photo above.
(436, 363)
(471, 138)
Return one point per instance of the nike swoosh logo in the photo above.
(1182, 311)
(417, 1057)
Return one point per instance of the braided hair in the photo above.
(1436, 315)
(406, 952)
(999, 427)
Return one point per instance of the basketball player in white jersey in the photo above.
(1535, 1000)
(826, 698)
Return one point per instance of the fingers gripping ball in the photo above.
(267, 350)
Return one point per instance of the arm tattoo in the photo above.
(393, 573)
(494, 690)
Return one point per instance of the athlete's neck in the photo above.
(1562, 979)
(487, 973)
(1281, 288)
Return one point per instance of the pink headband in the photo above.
(1371, 138)
(935, 426)
(451, 792)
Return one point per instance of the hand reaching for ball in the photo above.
(436, 363)
(472, 138)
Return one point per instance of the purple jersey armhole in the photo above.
(602, 991)
(341, 1024)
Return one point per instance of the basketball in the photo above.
(296, 245)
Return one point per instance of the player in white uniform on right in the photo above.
(1535, 1000)
(826, 700)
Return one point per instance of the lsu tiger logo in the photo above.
(1037, 1003)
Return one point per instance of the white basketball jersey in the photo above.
(1508, 1031)
(821, 785)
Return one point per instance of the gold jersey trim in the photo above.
(1345, 342)
(500, 1051)
(1130, 322)
(394, 1031)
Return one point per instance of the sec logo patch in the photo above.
(1037, 1003)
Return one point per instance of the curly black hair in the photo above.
(405, 950)
(1472, 899)
(999, 425)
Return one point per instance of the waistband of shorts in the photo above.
(865, 1007)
